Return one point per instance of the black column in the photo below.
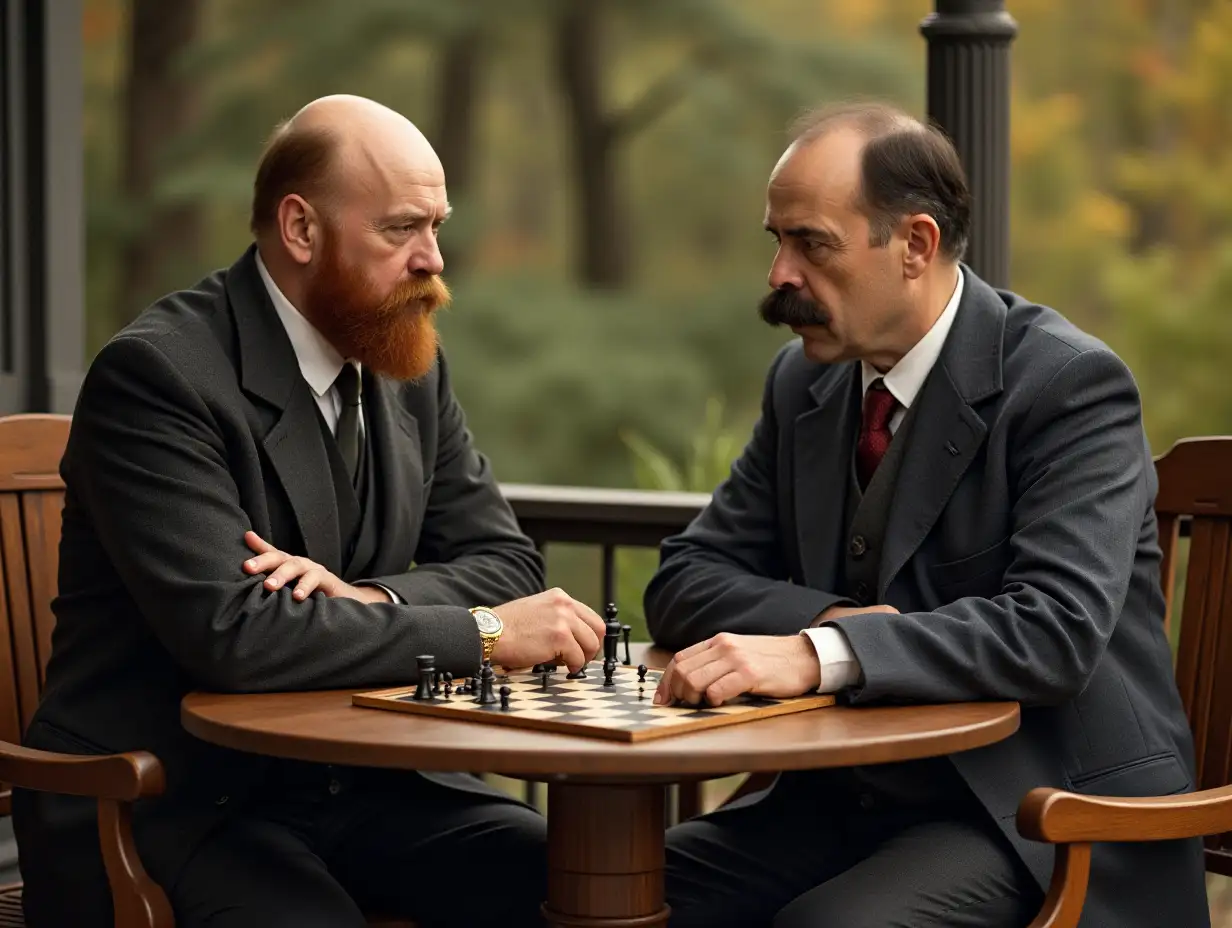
(969, 99)
(42, 306)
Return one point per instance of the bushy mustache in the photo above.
(791, 308)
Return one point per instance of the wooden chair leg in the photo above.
(139, 902)
(1068, 889)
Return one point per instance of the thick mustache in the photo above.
(791, 308)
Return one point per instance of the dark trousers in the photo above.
(816, 853)
(322, 854)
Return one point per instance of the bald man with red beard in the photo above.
(270, 486)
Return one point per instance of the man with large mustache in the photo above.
(270, 486)
(948, 497)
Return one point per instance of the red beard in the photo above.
(392, 335)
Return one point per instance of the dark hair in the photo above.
(295, 160)
(906, 167)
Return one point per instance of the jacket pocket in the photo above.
(1155, 775)
(982, 565)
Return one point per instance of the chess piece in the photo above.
(436, 683)
(641, 673)
(624, 632)
(543, 680)
(579, 674)
(641, 692)
(504, 697)
(486, 676)
(427, 670)
(611, 640)
(448, 684)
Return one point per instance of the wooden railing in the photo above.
(609, 519)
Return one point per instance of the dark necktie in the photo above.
(347, 430)
(875, 435)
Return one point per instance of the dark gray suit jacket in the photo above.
(1021, 550)
(193, 425)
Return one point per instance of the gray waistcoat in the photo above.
(867, 514)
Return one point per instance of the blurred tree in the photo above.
(772, 68)
(160, 106)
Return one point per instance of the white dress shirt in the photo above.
(839, 666)
(319, 362)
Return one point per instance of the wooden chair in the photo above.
(1195, 481)
(31, 498)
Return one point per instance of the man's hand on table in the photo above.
(283, 568)
(548, 627)
(721, 668)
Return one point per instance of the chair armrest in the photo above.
(123, 777)
(1060, 817)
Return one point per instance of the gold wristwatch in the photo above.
(490, 629)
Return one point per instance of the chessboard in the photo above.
(548, 700)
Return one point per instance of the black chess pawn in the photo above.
(543, 680)
(641, 673)
(427, 670)
(579, 674)
(504, 697)
(436, 683)
(641, 692)
(625, 630)
(486, 676)
(448, 684)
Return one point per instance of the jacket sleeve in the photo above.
(471, 550)
(146, 465)
(1082, 491)
(727, 572)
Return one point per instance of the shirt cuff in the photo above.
(393, 597)
(839, 665)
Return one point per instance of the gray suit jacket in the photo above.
(1021, 550)
(193, 425)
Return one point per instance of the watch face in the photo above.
(488, 623)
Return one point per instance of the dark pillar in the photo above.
(42, 306)
(969, 99)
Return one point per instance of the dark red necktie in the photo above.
(875, 435)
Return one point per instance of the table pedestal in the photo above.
(605, 855)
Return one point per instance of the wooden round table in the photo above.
(606, 799)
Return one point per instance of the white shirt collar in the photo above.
(905, 379)
(319, 361)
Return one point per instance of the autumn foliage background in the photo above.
(607, 159)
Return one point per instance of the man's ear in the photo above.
(923, 238)
(298, 227)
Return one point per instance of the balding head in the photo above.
(336, 148)
(901, 166)
(347, 203)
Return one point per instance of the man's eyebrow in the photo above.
(410, 217)
(824, 235)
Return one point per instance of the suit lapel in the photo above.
(824, 437)
(943, 443)
(295, 443)
(948, 432)
(399, 486)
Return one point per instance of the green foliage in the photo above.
(712, 448)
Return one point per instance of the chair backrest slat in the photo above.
(1195, 482)
(31, 499)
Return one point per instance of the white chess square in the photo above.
(598, 713)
